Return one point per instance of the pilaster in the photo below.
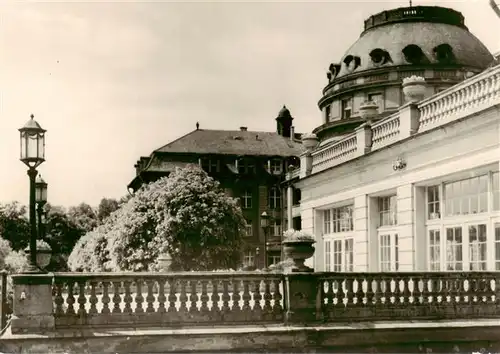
(409, 116)
(406, 223)
(360, 216)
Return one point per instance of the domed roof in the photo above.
(284, 113)
(393, 38)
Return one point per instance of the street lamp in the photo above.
(32, 154)
(264, 223)
(40, 199)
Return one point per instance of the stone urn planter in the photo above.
(414, 88)
(368, 110)
(309, 141)
(297, 247)
(43, 253)
(164, 262)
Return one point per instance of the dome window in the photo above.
(334, 70)
(413, 54)
(352, 62)
(380, 56)
(444, 53)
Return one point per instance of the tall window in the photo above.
(338, 220)
(454, 259)
(434, 250)
(274, 198)
(496, 191)
(248, 228)
(497, 246)
(328, 255)
(346, 108)
(433, 206)
(275, 226)
(327, 221)
(387, 210)
(477, 247)
(388, 252)
(247, 199)
(468, 196)
(343, 255)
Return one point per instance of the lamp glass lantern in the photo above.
(264, 220)
(40, 190)
(32, 143)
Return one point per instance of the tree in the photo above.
(106, 207)
(186, 214)
(83, 217)
(14, 225)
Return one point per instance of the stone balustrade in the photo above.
(121, 300)
(467, 98)
(166, 299)
(419, 296)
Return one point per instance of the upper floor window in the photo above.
(377, 98)
(274, 198)
(338, 220)
(328, 111)
(433, 205)
(276, 166)
(247, 199)
(346, 108)
(211, 165)
(248, 228)
(246, 166)
(468, 196)
(275, 226)
(387, 210)
(496, 191)
(249, 259)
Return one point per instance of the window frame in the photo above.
(344, 107)
(247, 199)
(274, 198)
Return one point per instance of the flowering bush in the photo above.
(292, 235)
(186, 215)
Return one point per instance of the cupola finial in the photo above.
(197, 125)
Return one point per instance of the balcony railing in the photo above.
(464, 99)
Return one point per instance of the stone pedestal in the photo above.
(32, 303)
(301, 295)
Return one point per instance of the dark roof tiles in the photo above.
(233, 142)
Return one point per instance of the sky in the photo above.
(112, 81)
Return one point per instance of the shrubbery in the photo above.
(187, 215)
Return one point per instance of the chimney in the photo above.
(243, 129)
(292, 133)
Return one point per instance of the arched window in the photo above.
(444, 53)
(380, 56)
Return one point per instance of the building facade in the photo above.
(250, 166)
(403, 172)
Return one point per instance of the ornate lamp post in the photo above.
(32, 154)
(264, 223)
(40, 199)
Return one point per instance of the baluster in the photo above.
(139, 299)
(267, 296)
(204, 297)
(193, 296)
(397, 291)
(215, 299)
(161, 296)
(105, 297)
(360, 294)
(183, 298)
(172, 297)
(246, 296)
(371, 299)
(93, 298)
(116, 297)
(127, 298)
(349, 290)
(59, 300)
(150, 298)
(70, 300)
(277, 308)
(257, 296)
(236, 296)
(406, 294)
(82, 299)
(225, 297)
